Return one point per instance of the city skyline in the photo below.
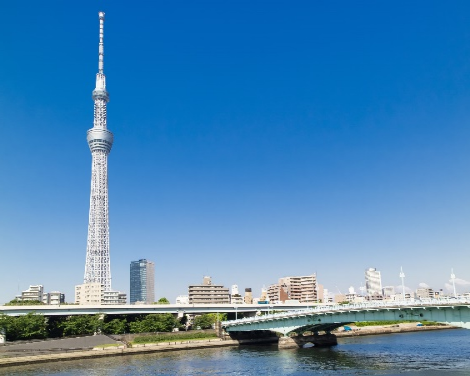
(286, 139)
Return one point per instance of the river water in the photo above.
(427, 353)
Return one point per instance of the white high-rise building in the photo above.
(235, 297)
(100, 141)
(373, 282)
(34, 292)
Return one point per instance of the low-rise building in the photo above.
(182, 299)
(399, 296)
(388, 291)
(374, 297)
(53, 298)
(340, 298)
(36, 293)
(427, 293)
(114, 297)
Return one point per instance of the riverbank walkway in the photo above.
(51, 346)
(42, 352)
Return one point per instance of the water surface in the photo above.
(426, 353)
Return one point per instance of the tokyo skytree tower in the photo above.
(100, 141)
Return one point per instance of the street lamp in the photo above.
(452, 277)
(402, 276)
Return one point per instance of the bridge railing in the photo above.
(351, 307)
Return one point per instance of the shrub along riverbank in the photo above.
(183, 336)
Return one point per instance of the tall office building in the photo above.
(100, 141)
(142, 281)
(373, 282)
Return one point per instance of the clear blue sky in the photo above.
(253, 140)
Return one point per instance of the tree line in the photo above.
(36, 326)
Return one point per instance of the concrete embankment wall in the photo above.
(117, 351)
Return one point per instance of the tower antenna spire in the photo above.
(100, 141)
(101, 45)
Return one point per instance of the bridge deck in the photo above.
(453, 311)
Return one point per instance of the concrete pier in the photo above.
(322, 340)
(287, 343)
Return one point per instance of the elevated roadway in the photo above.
(68, 310)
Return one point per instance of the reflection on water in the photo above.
(428, 353)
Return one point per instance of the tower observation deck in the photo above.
(100, 141)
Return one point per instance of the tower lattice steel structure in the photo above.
(100, 141)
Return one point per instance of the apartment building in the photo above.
(93, 293)
(35, 292)
(373, 282)
(53, 298)
(302, 288)
(207, 293)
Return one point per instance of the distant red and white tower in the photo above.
(100, 141)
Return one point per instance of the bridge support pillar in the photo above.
(287, 343)
(219, 330)
(323, 340)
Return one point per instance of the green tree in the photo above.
(184, 320)
(55, 327)
(81, 324)
(207, 320)
(30, 326)
(115, 326)
(5, 325)
(163, 301)
(16, 302)
(163, 322)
